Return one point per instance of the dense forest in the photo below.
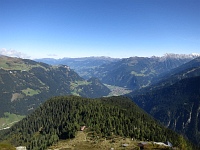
(60, 118)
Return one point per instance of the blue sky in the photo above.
(115, 28)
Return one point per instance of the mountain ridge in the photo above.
(25, 84)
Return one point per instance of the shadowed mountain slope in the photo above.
(176, 106)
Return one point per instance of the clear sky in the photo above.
(115, 28)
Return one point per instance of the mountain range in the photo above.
(83, 66)
(166, 87)
(133, 72)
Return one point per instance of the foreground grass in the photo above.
(6, 146)
(87, 141)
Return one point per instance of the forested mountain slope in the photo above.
(60, 118)
(25, 84)
(176, 105)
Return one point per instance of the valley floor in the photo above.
(117, 91)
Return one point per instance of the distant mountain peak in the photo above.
(172, 55)
(196, 54)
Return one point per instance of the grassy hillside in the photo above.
(89, 140)
(10, 63)
(9, 119)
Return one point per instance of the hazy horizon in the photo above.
(23, 56)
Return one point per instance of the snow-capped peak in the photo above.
(181, 56)
(196, 54)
